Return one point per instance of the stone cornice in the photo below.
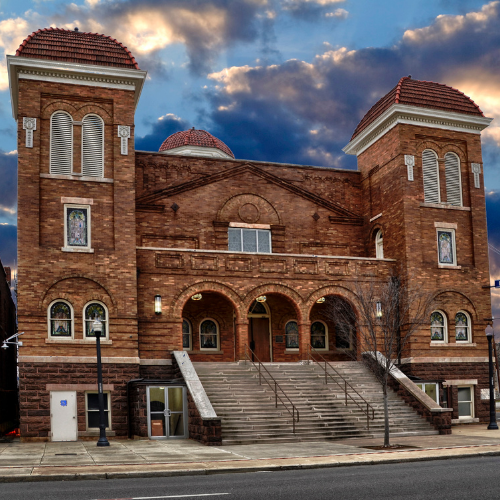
(413, 115)
(71, 73)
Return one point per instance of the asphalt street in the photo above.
(452, 479)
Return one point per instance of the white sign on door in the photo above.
(63, 421)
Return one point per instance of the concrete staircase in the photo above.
(248, 411)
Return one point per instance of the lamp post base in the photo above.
(493, 426)
(103, 441)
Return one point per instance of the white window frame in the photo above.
(326, 336)
(72, 321)
(105, 323)
(210, 349)
(298, 335)
(460, 204)
(106, 394)
(74, 248)
(379, 244)
(423, 384)
(51, 153)
(453, 240)
(445, 327)
(102, 147)
(469, 328)
(241, 229)
(472, 408)
(190, 335)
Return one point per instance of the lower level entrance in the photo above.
(167, 415)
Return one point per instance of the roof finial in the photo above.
(76, 29)
(192, 128)
(409, 76)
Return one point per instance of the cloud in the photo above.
(163, 127)
(333, 91)
(310, 10)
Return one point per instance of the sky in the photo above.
(276, 80)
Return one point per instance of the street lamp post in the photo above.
(103, 441)
(493, 419)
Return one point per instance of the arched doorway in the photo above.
(259, 326)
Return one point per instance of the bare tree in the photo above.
(387, 315)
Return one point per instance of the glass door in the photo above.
(166, 412)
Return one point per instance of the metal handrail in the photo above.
(294, 409)
(369, 408)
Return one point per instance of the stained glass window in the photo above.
(77, 227)
(437, 326)
(257, 308)
(208, 334)
(445, 247)
(461, 327)
(60, 320)
(292, 335)
(92, 312)
(318, 335)
(186, 334)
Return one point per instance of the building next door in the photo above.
(63, 421)
(167, 415)
(260, 335)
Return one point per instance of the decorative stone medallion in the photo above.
(249, 213)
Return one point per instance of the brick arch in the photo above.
(199, 317)
(93, 109)
(337, 290)
(453, 148)
(179, 301)
(472, 310)
(107, 294)
(275, 288)
(51, 108)
(427, 144)
(230, 207)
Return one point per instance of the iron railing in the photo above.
(369, 411)
(273, 384)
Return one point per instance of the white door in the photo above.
(63, 421)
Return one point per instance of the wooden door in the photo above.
(260, 337)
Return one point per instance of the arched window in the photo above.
(186, 335)
(462, 327)
(453, 181)
(439, 331)
(61, 143)
(319, 338)
(292, 335)
(430, 170)
(209, 334)
(93, 146)
(93, 311)
(60, 319)
(379, 244)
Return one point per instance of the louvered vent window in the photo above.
(431, 176)
(453, 184)
(61, 143)
(92, 146)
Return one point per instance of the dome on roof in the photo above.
(421, 94)
(58, 44)
(195, 143)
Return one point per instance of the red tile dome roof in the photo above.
(422, 94)
(75, 46)
(194, 137)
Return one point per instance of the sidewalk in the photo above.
(129, 458)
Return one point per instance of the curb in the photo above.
(229, 470)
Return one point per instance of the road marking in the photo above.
(170, 496)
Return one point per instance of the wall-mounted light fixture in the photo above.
(378, 309)
(197, 296)
(320, 300)
(262, 298)
(157, 304)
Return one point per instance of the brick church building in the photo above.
(171, 249)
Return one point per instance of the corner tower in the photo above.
(419, 153)
(74, 96)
